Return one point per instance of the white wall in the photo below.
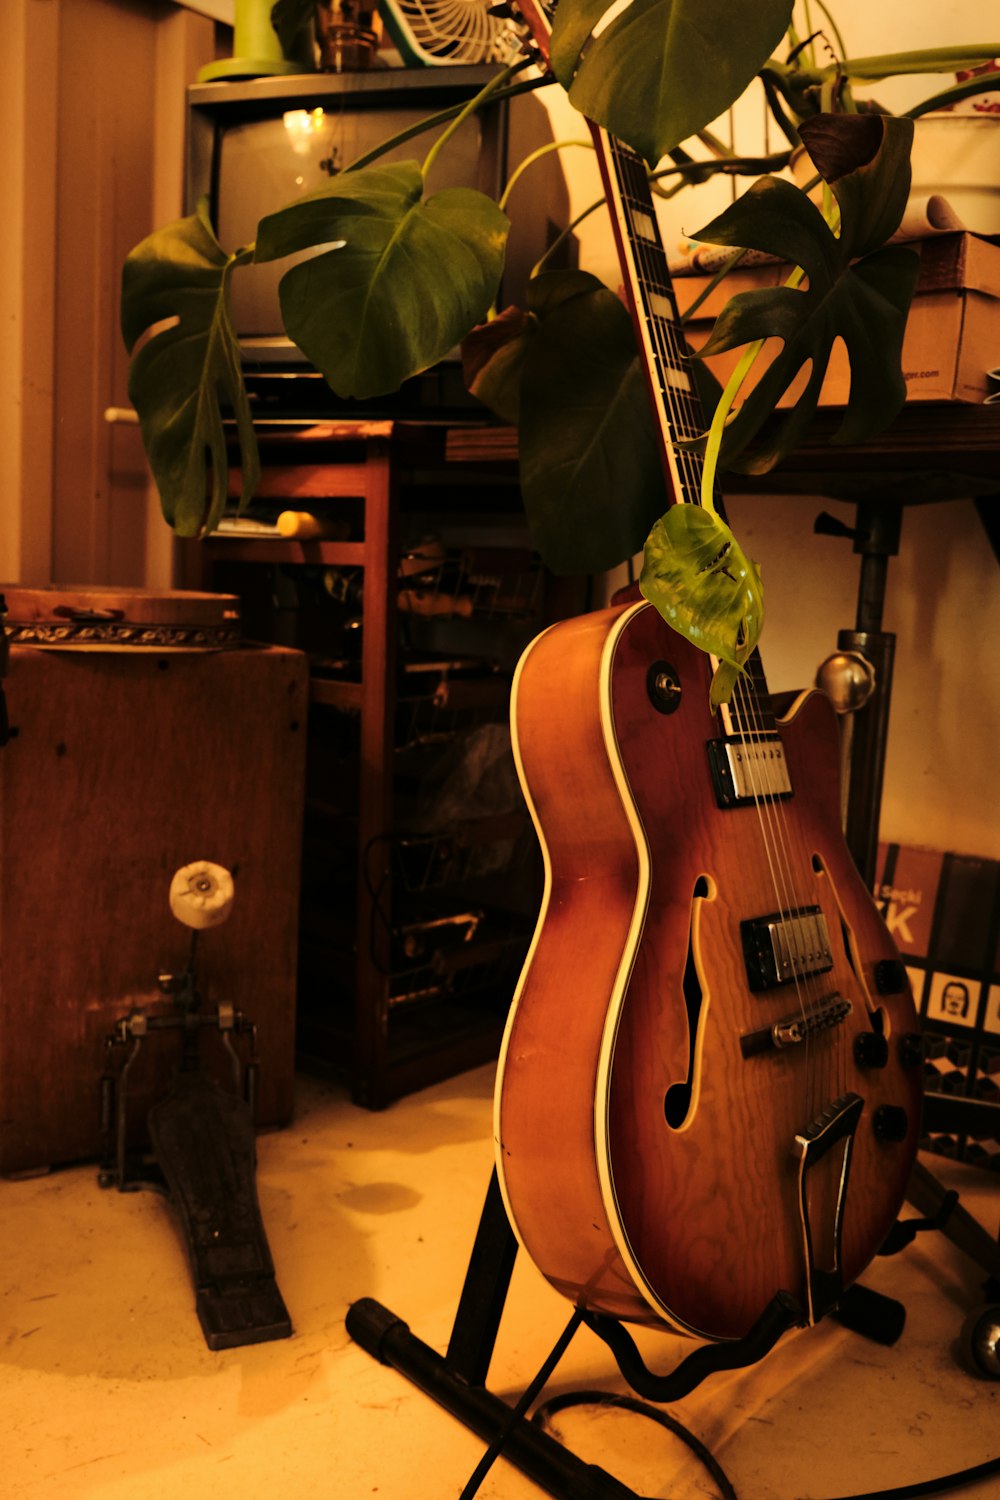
(943, 602)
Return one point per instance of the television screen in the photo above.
(264, 164)
(255, 147)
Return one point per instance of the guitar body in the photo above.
(647, 1126)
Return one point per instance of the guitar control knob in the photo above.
(870, 1050)
(890, 977)
(911, 1049)
(890, 1123)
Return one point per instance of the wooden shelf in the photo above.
(351, 1019)
(932, 451)
(348, 695)
(266, 549)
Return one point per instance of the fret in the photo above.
(654, 295)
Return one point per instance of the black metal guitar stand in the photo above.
(457, 1380)
(876, 539)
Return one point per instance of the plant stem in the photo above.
(732, 166)
(720, 416)
(475, 103)
(534, 156)
(599, 203)
(728, 265)
(716, 431)
(986, 83)
(529, 85)
(838, 40)
(935, 60)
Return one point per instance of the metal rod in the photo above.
(544, 1460)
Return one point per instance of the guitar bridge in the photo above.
(791, 1030)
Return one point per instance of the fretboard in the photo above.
(678, 411)
(654, 312)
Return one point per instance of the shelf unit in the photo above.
(420, 882)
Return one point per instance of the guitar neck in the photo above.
(667, 367)
(653, 305)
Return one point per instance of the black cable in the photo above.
(492, 1453)
(642, 1409)
(931, 1486)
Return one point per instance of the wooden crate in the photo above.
(126, 765)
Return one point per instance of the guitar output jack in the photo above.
(663, 685)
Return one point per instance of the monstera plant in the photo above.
(406, 276)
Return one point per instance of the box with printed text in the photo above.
(952, 334)
(943, 911)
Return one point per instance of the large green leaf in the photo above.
(856, 292)
(180, 276)
(591, 475)
(404, 279)
(662, 69)
(696, 575)
(494, 354)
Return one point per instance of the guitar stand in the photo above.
(457, 1381)
(876, 537)
(204, 1159)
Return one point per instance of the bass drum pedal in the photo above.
(204, 1149)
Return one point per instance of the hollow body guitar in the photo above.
(709, 1086)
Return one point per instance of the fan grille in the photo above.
(455, 31)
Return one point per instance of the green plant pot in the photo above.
(257, 51)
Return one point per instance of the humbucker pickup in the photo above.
(785, 946)
(747, 769)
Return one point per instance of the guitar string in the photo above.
(677, 401)
(685, 420)
(753, 726)
(819, 1060)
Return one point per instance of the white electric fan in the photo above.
(438, 32)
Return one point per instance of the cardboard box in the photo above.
(952, 333)
(944, 912)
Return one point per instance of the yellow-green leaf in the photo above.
(697, 576)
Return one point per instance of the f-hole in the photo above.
(876, 1017)
(677, 1100)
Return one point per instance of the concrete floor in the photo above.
(107, 1388)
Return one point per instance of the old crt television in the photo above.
(254, 146)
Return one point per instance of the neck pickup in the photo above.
(746, 769)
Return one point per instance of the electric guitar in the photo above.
(709, 1086)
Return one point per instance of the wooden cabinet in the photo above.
(127, 764)
(421, 877)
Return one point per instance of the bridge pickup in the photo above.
(785, 946)
(748, 768)
(793, 1029)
